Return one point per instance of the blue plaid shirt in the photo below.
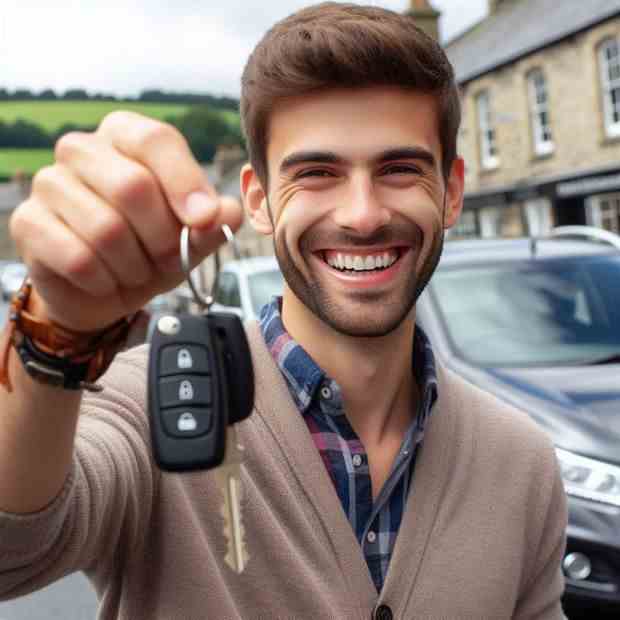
(319, 400)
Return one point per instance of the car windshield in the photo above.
(551, 312)
(263, 286)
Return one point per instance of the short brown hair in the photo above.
(333, 45)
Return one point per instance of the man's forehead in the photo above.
(354, 124)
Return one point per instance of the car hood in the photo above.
(578, 406)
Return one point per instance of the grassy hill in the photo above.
(51, 115)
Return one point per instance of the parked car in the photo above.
(537, 323)
(245, 286)
(12, 275)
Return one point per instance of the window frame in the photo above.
(487, 133)
(600, 211)
(608, 86)
(536, 78)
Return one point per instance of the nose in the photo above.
(361, 211)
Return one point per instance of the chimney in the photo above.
(227, 156)
(426, 17)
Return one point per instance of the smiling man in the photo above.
(377, 483)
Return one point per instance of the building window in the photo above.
(609, 55)
(488, 143)
(604, 211)
(539, 113)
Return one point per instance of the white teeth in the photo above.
(361, 263)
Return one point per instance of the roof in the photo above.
(496, 251)
(519, 28)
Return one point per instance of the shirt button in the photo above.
(383, 612)
(357, 460)
(326, 393)
(371, 537)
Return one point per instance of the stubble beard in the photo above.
(363, 321)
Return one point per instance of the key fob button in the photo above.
(184, 390)
(176, 359)
(187, 421)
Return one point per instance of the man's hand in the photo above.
(100, 231)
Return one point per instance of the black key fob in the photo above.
(200, 380)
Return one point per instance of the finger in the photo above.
(36, 230)
(205, 240)
(101, 227)
(128, 187)
(163, 150)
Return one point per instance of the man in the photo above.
(377, 484)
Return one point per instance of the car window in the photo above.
(263, 286)
(227, 290)
(538, 312)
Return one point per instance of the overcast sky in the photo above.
(125, 46)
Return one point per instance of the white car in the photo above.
(245, 286)
(11, 278)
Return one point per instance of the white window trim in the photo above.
(612, 129)
(541, 147)
(488, 161)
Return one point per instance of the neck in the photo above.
(374, 374)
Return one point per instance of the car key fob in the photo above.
(200, 380)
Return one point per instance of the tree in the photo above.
(205, 129)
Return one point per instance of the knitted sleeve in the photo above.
(104, 507)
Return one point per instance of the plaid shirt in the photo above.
(319, 400)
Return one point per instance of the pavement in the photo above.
(71, 598)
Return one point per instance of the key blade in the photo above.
(237, 556)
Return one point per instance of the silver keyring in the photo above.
(203, 302)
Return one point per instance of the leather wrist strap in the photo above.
(55, 355)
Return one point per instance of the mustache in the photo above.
(392, 234)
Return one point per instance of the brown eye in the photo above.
(401, 169)
(313, 173)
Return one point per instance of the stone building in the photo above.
(540, 83)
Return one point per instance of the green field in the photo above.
(26, 160)
(52, 115)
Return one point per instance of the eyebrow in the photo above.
(329, 157)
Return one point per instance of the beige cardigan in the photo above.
(482, 535)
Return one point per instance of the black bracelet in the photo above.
(52, 370)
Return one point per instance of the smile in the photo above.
(357, 262)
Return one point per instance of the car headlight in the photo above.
(588, 478)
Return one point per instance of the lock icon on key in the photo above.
(187, 423)
(184, 359)
(186, 390)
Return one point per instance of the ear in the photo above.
(255, 201)
(454, 192)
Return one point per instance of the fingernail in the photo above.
(199, 207)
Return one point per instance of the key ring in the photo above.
(203, 302)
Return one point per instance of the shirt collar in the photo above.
(304, 376)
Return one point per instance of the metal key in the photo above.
(229, 480)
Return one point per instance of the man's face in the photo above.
(357, 198)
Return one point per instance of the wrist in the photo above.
(53, 354)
